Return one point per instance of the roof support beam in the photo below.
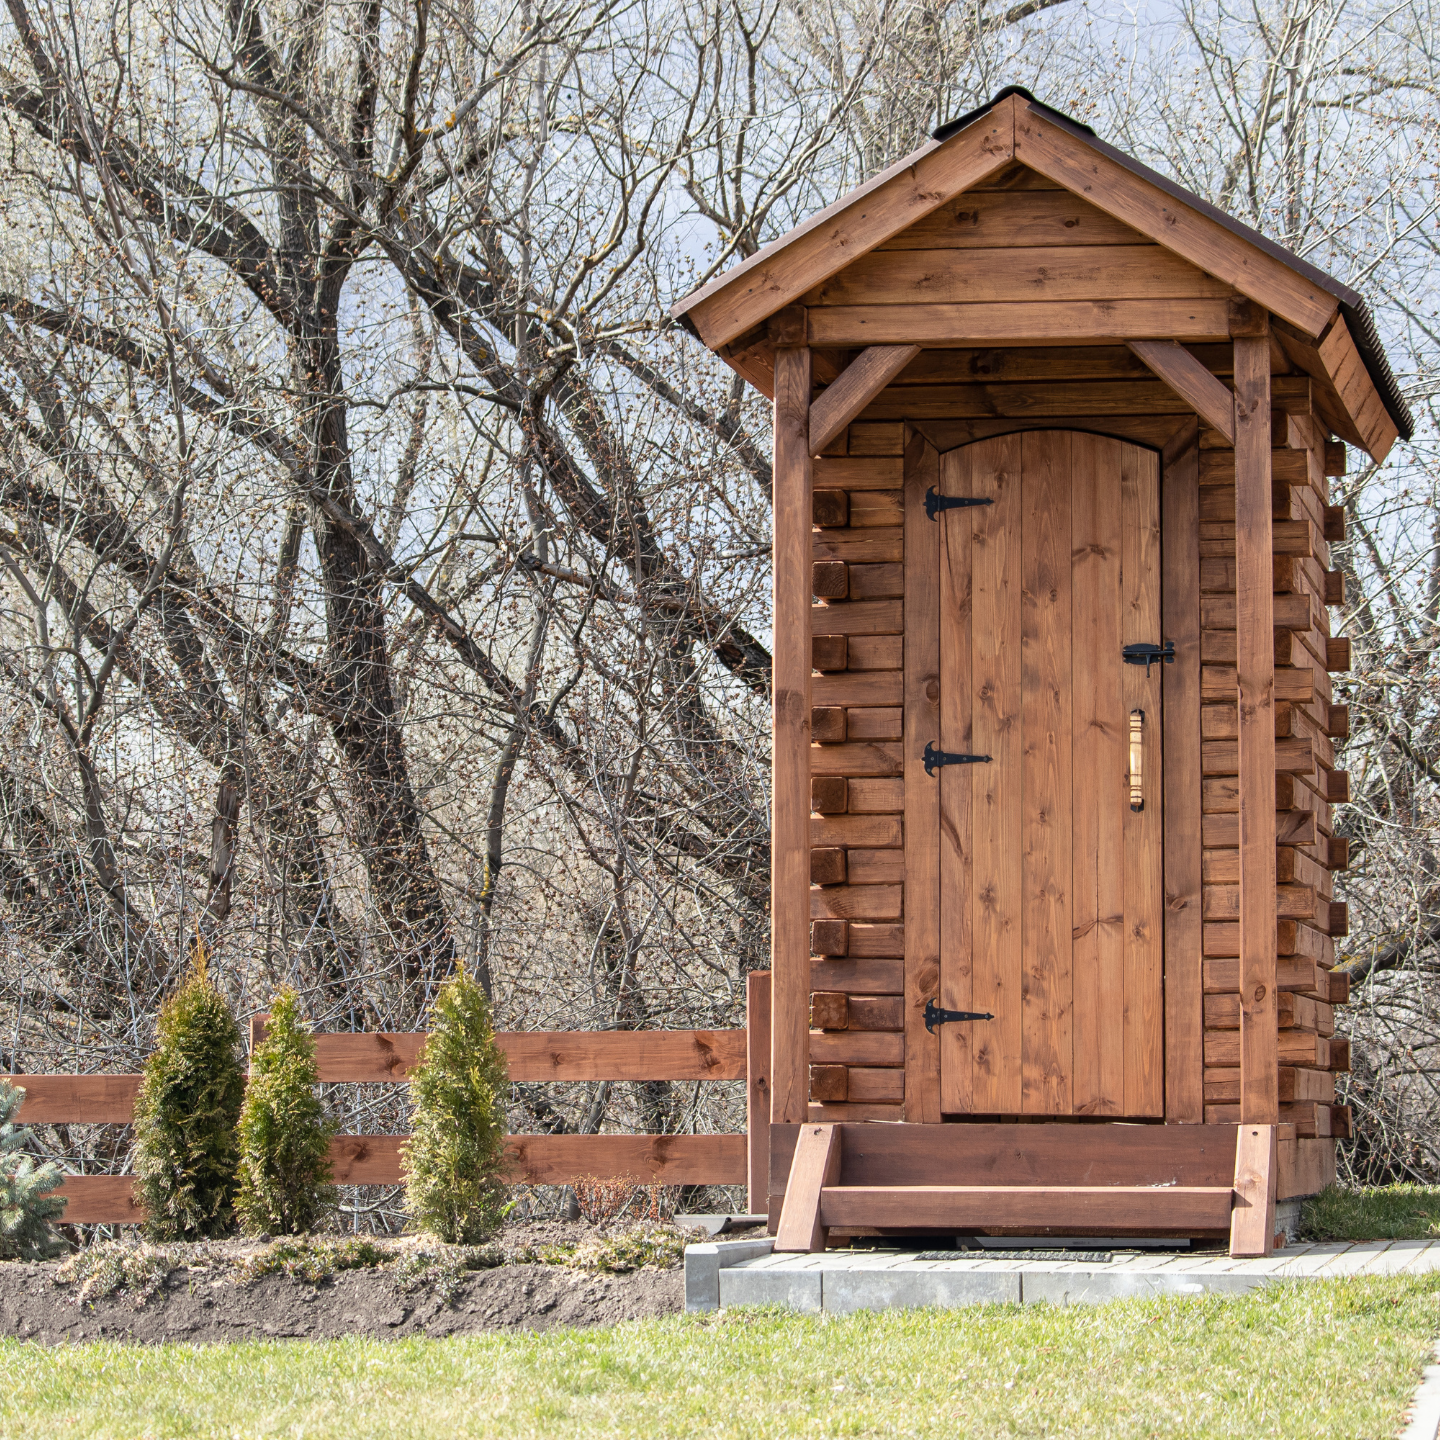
(1208, 397)
(859, 383)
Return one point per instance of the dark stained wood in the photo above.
(1040, 322)
(830, 579)
(101, 1200)
(1019, 274)
(829, 509)
(864, 472)
(790, 746)
(1151, 430)
(827, 724)
(874, 796)
(815, 1165)
(1045, 147)
(828, 795)
(829, 1084)
(996, 815)
(955, 784)
(855, 902)
(869, 546)
(831, 652)
(877, 832)
(875, 723)
(1252, 1225)
(859, 383)
(1030, 1154)
(757, 1090)
(95, 1099)
(1140, 611)
(877, 757)
(1098, 801)
(876, 582)
(648, 1159)
(875, 687)
(1190, 380)
(529, 1159)
(858, 617)
(1184, 1044)
(1038, 400)
(991, 219)
(859, 977)
(1259, 1103)
(922, 795)
(830, 1010)
(876, 652)
(1046, 651)
(1092, 1210)
(827, 867)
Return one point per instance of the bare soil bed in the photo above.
(538, 1275)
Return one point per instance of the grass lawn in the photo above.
(1333, 1359)
(1390, 1212)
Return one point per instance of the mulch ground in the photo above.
(206, 1299)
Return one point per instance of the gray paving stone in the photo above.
(1096, 1289)
(703, 1264)
(798, 1288)
(849, 1290)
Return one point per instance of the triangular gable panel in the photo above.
(1012, 208)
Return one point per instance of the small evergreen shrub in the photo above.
(186, 1154)
(455, 1154)
(27, 1204)
(285, 1184)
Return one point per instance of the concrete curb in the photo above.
(703, 1264)
(1425, 1407)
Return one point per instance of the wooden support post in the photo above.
(757, 1089)
(816, 1164)
(790, 744)
(1252, 1221)
(1184, 960)
(1255, 656)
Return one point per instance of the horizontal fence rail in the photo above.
(371, 1058)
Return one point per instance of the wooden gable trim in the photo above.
(785, 269)
(1105, 183)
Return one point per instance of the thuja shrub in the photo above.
(455, 1154)
(186, 1154)
(285, 1176)
(27, 1200)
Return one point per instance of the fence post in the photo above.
(757, 1089)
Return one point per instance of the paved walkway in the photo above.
(745, 1272)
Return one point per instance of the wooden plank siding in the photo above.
(859, 936)
(1301, 594)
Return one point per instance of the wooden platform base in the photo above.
(1193, 1180)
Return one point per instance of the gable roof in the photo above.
(1327, 327)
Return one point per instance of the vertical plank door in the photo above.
(1051, 902)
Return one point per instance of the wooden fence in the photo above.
(370, 1058)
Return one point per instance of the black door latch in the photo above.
(1148, 655)
(935, 502)
(934, 1016)
(934, 758)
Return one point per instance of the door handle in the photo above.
(1137, 759)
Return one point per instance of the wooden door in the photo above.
(1050, 882)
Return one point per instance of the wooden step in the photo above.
(1087, 1209)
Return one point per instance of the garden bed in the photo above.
(537, 1274)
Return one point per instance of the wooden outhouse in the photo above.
(1054, 732)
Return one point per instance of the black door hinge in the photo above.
(934, 758)
(934, 1016)
(1148, 655)
(935, 502)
